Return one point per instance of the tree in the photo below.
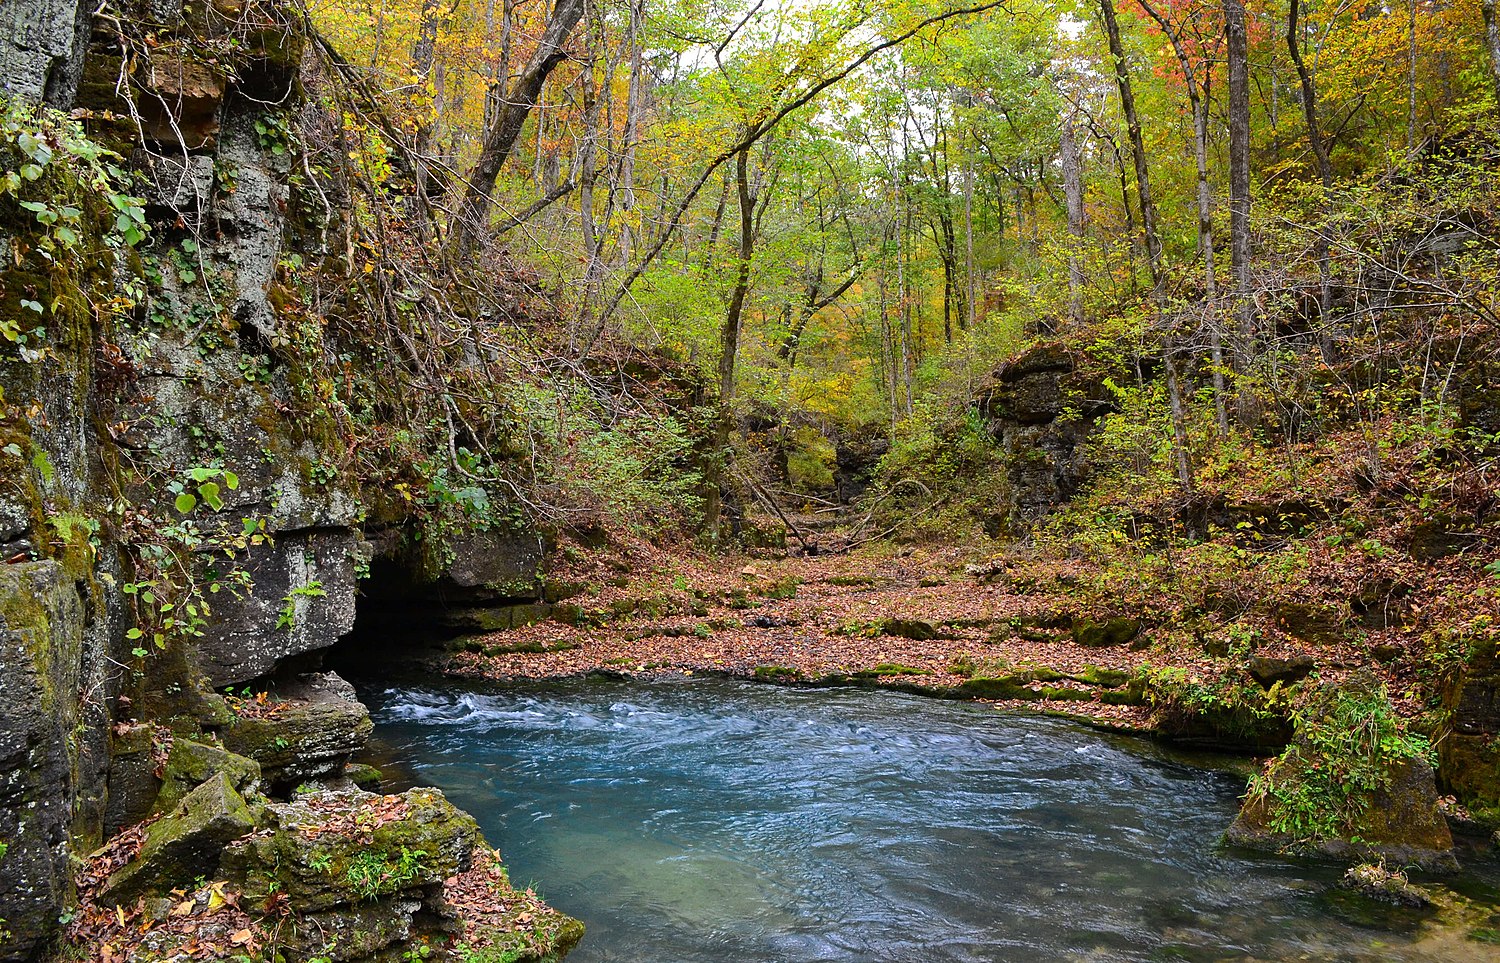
(500, 137)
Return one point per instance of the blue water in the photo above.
(720, 821)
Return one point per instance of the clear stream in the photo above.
(707, 820)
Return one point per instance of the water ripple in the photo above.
(716, 821)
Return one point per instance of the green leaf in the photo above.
(210, 494)
(185, 502)
(231, 480)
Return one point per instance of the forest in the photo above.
(1103, 397)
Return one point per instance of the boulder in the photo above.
(190, 764)
(1353, 785)
(339, 849)
(1268, 670)
(1401, 824)
(914, 629)
(309, 732)
(184, 844)
(182, 108)
(1112, 631)
(132, 782)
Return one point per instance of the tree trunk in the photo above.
(1321, 151)
(1072, 168)
(634, 101)
(969, 293)
(500, 138)
(1239, 187)
(1492, 42)
(1153, 241)
(729, 344)
(1198, 102)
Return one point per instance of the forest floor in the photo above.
(944, 621)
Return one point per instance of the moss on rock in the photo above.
(1354, 784)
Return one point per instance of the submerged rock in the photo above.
(1388, 886)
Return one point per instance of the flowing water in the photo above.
(719, 821)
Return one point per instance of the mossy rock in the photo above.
(1060, 694)
(364, 932)
(889, 669)
(991, 688)
(184, 844)
(777, 673)
(914, 629)
(191, 763)
(1353, 785)
(1469, 767)
(333, 849)
(1401, 826)
(1114, 631)
(1102, 677)
(515, 927)
(364, 776)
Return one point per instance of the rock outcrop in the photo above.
(309, 731)
(41, 649)
(175, 513)
(1353, 785)
(1040, 410)
(1469, 750)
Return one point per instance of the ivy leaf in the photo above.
(231, 480)
(186, 502)
(210, 494)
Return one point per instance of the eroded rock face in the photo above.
(42, 45)
(1041, 411)
(313, 728)
(306, 574)
(41, 650)
(1469, 754)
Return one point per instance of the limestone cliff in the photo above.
(177, 509)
